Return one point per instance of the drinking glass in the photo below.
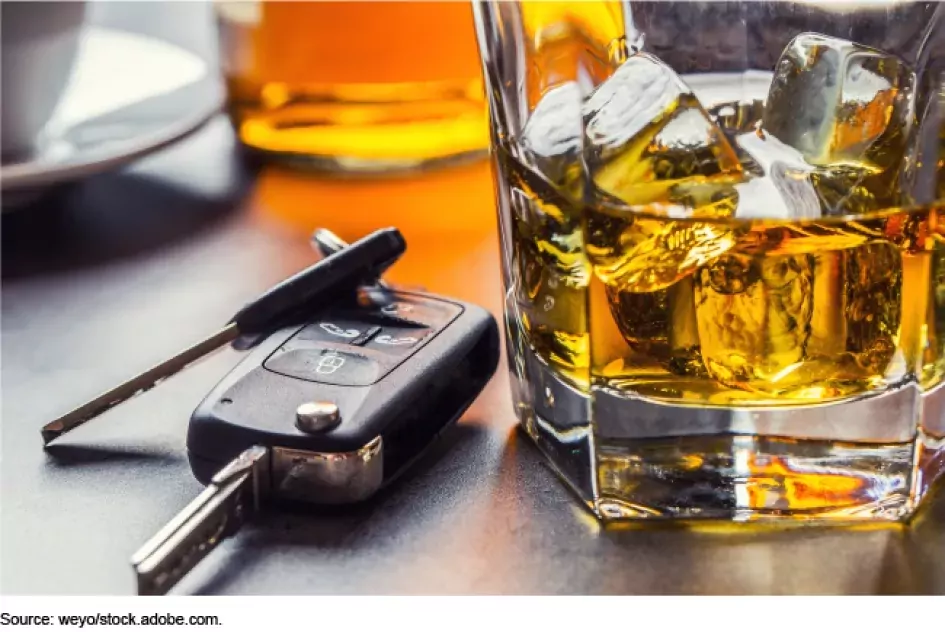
(722, 231)
(354, 87)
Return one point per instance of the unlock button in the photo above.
(337, 330)
(398, 340)
(327, 366)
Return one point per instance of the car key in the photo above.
(336, 275)
(325, 412)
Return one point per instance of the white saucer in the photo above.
(128, 96)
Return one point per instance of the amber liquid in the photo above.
(789, 313)
(362, 86)
(732, 312)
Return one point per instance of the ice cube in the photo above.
(551, 222)
(848, 110)
(754, 317)
(925, 171)
(784, 190)
(777, 322)
(833, 135)
(767, 151)
(548, 272)
(659, 327)
(646, 134)
(838, 102)
(552, 135)
(635, 253)
(737, 117)
(551, 307)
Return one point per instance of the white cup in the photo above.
(40, 42)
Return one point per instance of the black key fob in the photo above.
(347, 400)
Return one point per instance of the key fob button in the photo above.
(340, 330)
(398, 340)
(435, 314)
(326, 366)
(397, 308)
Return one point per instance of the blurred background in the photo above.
(339, 110)
(319, 114)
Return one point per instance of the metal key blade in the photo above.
(138, 384)
(216, 514)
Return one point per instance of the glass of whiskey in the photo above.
(368, 87)
(722, 231)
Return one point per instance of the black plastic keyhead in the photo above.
(395, 370)
(324, 281)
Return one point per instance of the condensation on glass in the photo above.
(723, 241)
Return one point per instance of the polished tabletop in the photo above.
(106, 277)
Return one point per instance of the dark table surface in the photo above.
(109, 276)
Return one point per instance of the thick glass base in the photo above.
(867, 460)
(746, 478)
(362, 129)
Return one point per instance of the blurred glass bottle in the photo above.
(354, 86)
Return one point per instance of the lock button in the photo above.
(326, 366)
